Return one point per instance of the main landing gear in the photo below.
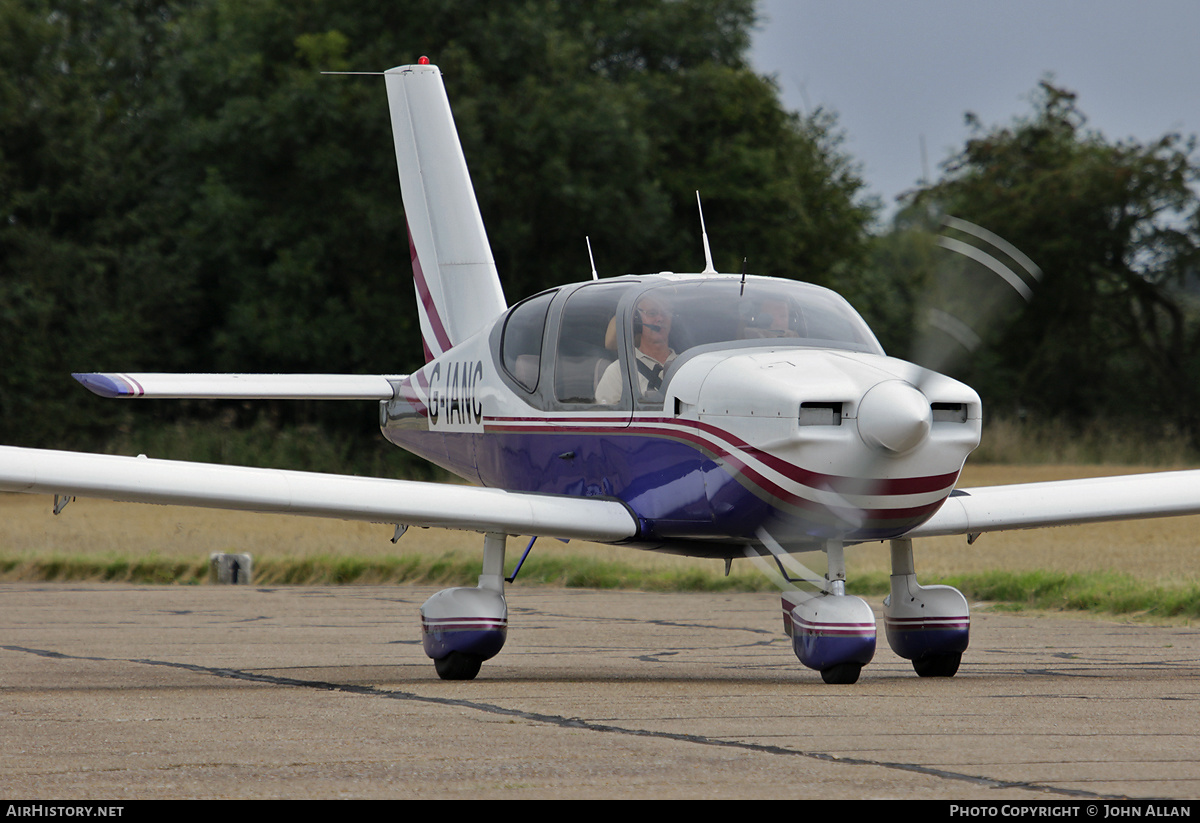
(834, 632)
(462, 627)
(929, 625)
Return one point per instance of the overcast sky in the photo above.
(897, 70)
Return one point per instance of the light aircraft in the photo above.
(713, 415)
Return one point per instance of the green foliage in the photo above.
(182, 190)
(891, 289)
(79, 259)
(265, 441)
(1096, 592)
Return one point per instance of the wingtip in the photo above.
(109, 385)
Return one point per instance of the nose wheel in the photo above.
(832, 632)
(843, 674)
(458, 666)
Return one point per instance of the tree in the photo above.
(81, 248)
(246, 206)
(576, 119)
(1113, 331)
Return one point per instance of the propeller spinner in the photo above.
(894, 417)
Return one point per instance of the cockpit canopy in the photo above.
(721, 310)
(578, 346)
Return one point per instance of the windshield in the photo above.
(657, 320)
(704, 312)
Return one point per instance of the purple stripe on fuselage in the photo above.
(682, 483)
(720, 443)
(719, 447)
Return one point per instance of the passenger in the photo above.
(772, 319)
(652, 331)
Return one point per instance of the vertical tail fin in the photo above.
(458, 288)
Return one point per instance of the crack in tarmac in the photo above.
(578, 723)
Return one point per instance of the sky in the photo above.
(899, 71)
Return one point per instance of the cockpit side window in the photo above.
(587, 341)
(521, 343)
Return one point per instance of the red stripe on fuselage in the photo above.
(817, 480)
(722, 446)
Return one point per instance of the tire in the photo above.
(458, 666)
(938, 665)
(843, 674)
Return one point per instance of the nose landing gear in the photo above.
(831, 631)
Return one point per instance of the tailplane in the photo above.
(458, 287)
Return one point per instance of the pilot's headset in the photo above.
(638, 322)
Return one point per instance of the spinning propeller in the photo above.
(981, 282)
(976, 281)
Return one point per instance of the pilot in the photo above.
(652, 329)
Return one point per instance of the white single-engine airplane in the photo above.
(703, 414)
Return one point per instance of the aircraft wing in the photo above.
(1065, 503)
(241, 386)
(376, 500)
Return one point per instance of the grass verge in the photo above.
(1105, 593)
(1007, 441)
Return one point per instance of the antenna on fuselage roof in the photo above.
(591, 259)
(708, 264)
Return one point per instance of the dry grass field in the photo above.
(1156, 551)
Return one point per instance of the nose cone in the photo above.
(894, 416)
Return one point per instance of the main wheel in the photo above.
(938, 665)
(458, 666)
(843, 674)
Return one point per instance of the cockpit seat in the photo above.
(526, 369)
(577, 377)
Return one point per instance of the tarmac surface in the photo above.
(120, 692)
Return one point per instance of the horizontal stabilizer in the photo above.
(372, 499)
(241, 386)
(1065, 503)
